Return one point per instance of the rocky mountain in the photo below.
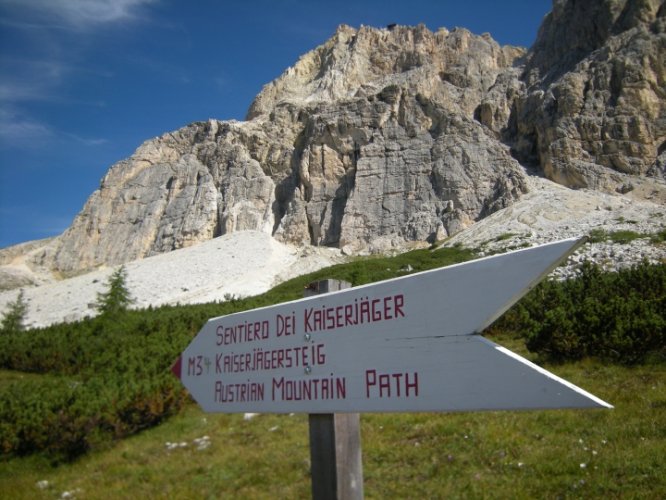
(364, 142)
(381, 138)
(594, 104)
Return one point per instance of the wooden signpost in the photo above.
(335, 439)
(403, 345)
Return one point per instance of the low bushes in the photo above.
(67, 417)
(617, 317)
(101, 379)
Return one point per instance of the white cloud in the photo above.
(23, 130)
(50, 42)
(19, 131)
(12, 92)
(79, 13)
(87, 141)
(82, 13)
(28, 80)
(47, 52)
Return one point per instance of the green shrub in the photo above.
(505, 236)
(67, 417)
(658, 237)
(625, 236)
(597, 235)
(613, 316)
(103, 380)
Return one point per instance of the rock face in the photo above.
(175, 191)
(369, 141)
(594, 107)
(381, 137)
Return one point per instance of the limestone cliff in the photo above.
(369, 141)
(594, 107)
(381, 137)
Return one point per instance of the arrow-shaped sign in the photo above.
(405, 344)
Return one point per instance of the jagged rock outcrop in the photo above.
(594, 109)
(455, 68)
(394, 168)
(381, 137)
(174, 191)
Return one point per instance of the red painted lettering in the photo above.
(349, 315)
(338, 317)
(330, 318)
(306, 320)
(387, 308)
(391, 385)
(195, 366)
(370, 381)
(285, 325)
(398, 302)
(365, 311)
(412, 385)
(376, 311)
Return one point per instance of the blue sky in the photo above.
(84, 82)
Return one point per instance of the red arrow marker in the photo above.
(176, 367)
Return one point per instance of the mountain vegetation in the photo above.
(104, 380)
(13, 319)
(117, 298)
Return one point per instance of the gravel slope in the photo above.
(241, 264)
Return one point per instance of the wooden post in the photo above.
(323, 463)
(335, 439)
(348, 455)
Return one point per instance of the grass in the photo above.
(544, 454)
(365, 270)
(504, 236)
(624, 236)
(658, 237)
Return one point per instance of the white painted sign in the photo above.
(405, 344)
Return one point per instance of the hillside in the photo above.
(77, 393)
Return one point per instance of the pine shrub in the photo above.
(617, 316)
